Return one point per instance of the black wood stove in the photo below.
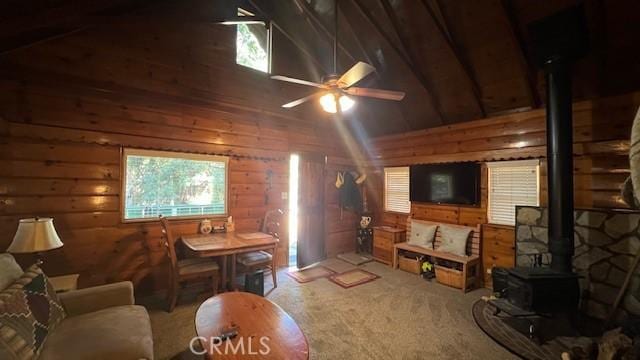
(536, 291)
(558, 41)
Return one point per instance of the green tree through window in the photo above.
(250, 51)
(173, 185)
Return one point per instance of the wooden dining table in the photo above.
(230, 244)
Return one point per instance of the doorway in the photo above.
(306, 209)
(294, 163)
(310, 212)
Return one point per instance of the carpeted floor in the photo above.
(398, 316)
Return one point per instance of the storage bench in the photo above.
(470, 274)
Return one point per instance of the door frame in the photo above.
(320, 159)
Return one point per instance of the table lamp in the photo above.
(35, 235)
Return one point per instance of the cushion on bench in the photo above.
(454, 240)
(438, 254)
(473, 238)
(422, 234)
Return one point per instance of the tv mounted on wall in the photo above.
(457, 183)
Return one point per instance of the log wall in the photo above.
(601, 143)
(68, 106)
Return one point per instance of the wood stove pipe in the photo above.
(560, 162)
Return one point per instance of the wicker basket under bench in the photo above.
(469, 277)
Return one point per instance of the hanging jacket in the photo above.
(349, 194)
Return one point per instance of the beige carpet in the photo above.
(399, 316)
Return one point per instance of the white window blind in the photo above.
(396, 190)
(512, 183)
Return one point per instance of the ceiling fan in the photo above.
(336, 88)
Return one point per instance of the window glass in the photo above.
(252, 46)
(173, 184)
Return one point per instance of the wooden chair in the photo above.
(262, 260)
(186, 269)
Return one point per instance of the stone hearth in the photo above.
(606, 242)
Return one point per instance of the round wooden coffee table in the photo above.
(265, 331)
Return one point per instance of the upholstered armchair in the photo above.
(99, 322)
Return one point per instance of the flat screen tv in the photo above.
(457, 183)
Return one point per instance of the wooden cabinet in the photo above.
(384, 237)
(498, 249)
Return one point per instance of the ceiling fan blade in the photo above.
(301, 100)
(376, 93)
(357, 72)
(298, 81)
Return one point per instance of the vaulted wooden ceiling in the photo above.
(457, 60)
(460, 60)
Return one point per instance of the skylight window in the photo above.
(252, 45)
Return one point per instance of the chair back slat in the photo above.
(272, 221)
(473, 243)
(170, 243)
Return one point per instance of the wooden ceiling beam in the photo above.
(445, 31)
(407, 62)
(404, 41)
(42, 16)
(523, 59)
(25, 41)
(370, 60)
(97, 89)
(68, 19)
(320, 25)
(297, 44)
(302, 48)
(395, 22)
(361, 47)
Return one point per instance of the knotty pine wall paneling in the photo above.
(498, 249)
(601, 142)
(68, 106)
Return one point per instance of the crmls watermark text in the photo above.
(239, 346)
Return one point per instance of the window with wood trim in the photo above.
(173, 184)
(512, 183)
(396, 190)
(253, 44)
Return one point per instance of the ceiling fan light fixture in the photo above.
(328, 103)
(346, 103)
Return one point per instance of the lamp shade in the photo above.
(35, 235)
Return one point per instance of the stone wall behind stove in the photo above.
(606, 242)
